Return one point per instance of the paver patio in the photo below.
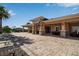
(50, 46)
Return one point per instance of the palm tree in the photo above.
(4, 14)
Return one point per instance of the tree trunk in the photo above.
(0, 25)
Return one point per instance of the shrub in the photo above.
(6, 29)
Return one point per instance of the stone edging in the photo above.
(30, 53)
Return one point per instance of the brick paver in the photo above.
(50, 46)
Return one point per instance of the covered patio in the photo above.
(62, 26)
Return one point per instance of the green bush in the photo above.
(6, 29)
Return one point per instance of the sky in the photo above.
(21, 13)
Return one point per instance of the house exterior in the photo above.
(61, 26)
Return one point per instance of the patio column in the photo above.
(23, 29)
(33, 29)
(42, 29)
(67, 29)
(29, 29)
(63, 29)
(51, 29)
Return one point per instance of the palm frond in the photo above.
(4, 12)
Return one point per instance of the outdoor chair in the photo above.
(78, 34)
(73, 34)
(56, 32)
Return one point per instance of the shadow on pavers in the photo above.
(15, 49)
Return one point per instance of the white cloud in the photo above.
(75, 12)
(12, 13)
(48, 4)
(68, 4)
(63, 4)
(75, 8)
